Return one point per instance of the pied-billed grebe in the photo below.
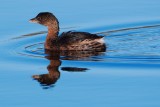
(67, 40)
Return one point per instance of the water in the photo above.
(127, 74)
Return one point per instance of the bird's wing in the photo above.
(75, 37)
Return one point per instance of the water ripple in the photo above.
(128, 45)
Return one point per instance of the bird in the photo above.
(67, 41)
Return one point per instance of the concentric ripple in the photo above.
(140, 45)
(130, 45)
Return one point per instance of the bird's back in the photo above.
(81, 41)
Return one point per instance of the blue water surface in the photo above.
(127, 74)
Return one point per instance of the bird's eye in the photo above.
(38, 18)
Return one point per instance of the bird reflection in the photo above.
(48, 80)
(53, 70)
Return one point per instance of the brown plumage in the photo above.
(67, 40)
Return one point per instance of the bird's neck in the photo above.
(51, 37)
(52, 33)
